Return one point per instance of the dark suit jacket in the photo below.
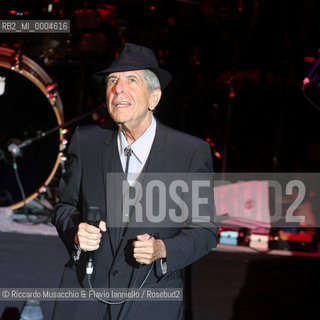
(93, 157)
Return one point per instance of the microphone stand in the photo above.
(312, 76)
(15, 148)
(311, 73)
(50, 131)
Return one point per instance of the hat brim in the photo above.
(163, 75)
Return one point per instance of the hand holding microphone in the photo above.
(89, 234)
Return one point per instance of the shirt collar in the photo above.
(141, 147)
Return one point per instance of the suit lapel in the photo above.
(156, 159)
(109, 158)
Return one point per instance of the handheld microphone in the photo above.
(93, 218)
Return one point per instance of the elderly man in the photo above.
(131, 251)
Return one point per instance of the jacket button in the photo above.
(115, 272)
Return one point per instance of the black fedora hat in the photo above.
(134, 57)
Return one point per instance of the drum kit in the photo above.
(30, 106)
(32, 129)
(32, 117)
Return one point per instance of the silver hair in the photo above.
(151, 79)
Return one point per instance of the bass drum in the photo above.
(30, 105)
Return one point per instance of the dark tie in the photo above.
(128, 153)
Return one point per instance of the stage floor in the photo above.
(222, 285)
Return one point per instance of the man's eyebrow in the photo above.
(127, 76)
(132, 76)
(111, 76)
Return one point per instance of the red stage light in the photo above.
(218, 155)
(309, 59)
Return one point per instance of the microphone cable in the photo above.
(16, 174)
(125, 300)
(89, 271)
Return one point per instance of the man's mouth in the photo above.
(122, 104)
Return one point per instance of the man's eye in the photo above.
(132, 80)
(111, 81)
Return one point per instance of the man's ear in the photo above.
(155, 97)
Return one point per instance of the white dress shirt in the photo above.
(140, 151)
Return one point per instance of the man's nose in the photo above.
(119, 86)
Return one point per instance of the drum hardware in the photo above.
(16, 61)
(63, 160)
(52, 89)
(2, 85)
(216, 153)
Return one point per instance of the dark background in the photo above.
(259, 50)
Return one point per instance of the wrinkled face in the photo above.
(128, 98)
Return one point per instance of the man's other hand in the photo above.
(148, 249)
